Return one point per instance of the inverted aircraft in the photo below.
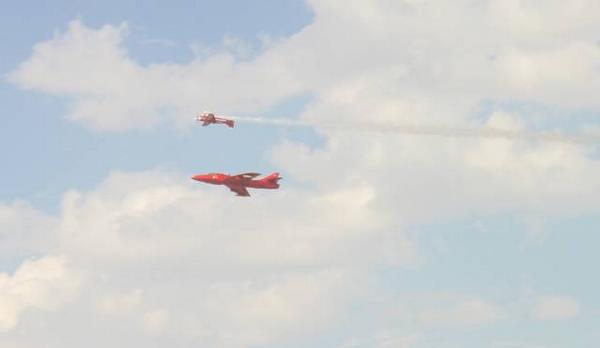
(209, 118)
(241, 182)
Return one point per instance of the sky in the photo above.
(378, 237)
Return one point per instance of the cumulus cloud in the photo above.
(309, 226)
(153, 251)
(110, 91)
(156, 321)
(21, 235)
(120, 303)
(42, 284)
(464, 313)
(555, 308)
(444, 60)
(442, 310)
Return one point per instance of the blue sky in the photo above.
(374, 240)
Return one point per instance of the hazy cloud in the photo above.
(555, 308)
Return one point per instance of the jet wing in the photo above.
(239, 190)
(246, 175)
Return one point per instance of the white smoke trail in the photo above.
(271, 121)
(442, 131)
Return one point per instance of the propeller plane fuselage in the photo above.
(208, 118)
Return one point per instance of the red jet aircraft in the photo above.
(239, 183)
(209, 118)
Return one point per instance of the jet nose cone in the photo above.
(202, 177)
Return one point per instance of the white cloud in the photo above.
(126, 215)
(43, 284)
(427, 179)
(437, 56)
(468, 312)
(153, 250)
(20, 233)
(120, 303)
(277, 308)
(110, 91)
(555, 308)
(156, 321)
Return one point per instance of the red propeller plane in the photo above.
(209, 118)
(239, 183)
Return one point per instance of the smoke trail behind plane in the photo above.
(429, 130)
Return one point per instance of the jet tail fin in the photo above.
(273, 179)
